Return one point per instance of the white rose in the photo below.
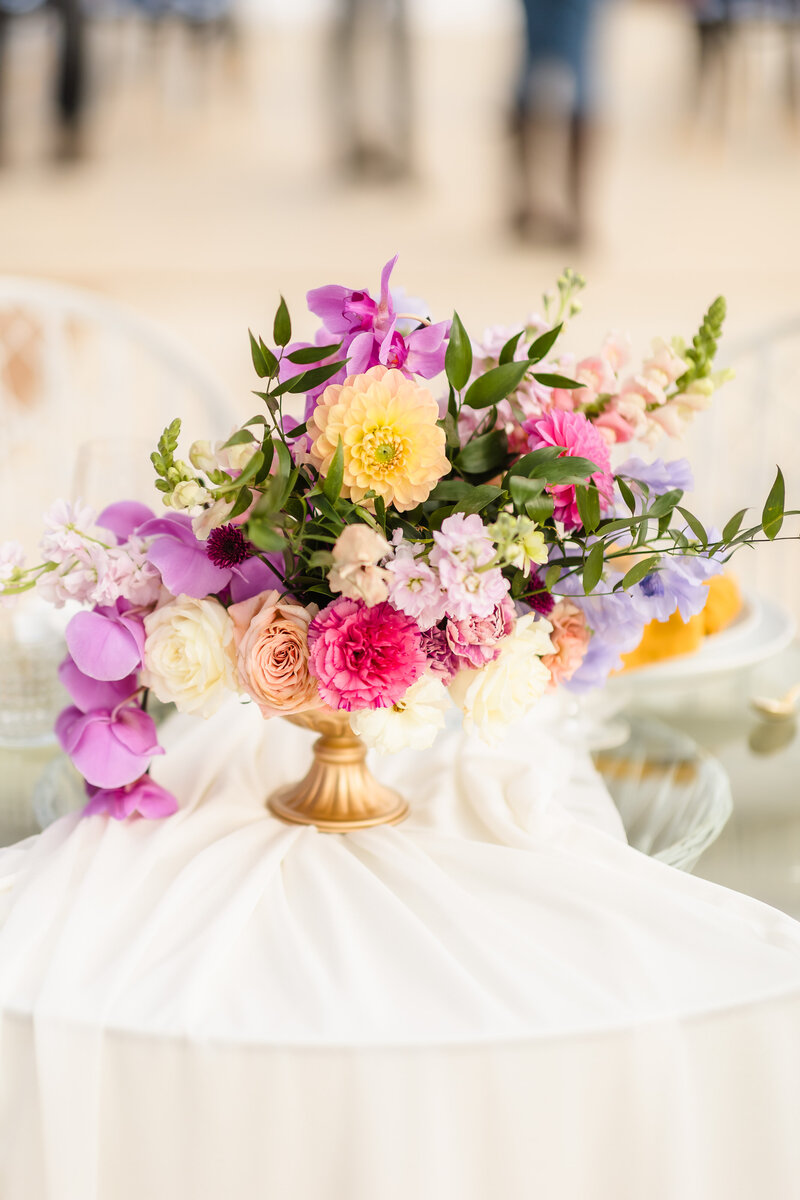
(506, 689)
(189, 655)
(413, 722)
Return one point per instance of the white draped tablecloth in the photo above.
(496, 999)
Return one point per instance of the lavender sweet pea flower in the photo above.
(616, 626)
(144, 796)
(680, 584)
(124, 518)
(87, 693)
(107, 643)
(182, 560)
(660, 476)
(110, 747)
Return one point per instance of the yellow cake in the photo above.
(668, 639)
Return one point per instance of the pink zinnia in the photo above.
(364, 657)
(580, 439)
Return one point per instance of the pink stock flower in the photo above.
(107, 643)
(364, 657)
(476, 640)
(144, 797)
(570, 636)
(441, 660)
(461, 553)
(414, 589)
(110, 747)
(576, 433)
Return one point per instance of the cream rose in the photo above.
(188, 655)
(506, 689)
(355, 572)
(271, 639)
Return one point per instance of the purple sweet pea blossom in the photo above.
(616, 626)
(107, 643)
(144, 797)
(660, 476)
(87, 693)
(182, 560)
(110, 747)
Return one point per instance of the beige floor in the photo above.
(203, 198)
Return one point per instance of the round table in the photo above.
(497, 998)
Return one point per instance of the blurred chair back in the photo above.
(75, 367)
(753, 426)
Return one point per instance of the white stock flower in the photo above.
(211, 518)
(202, 457)
(189, 494)
(411, 723)
(506, 689)
(189, 655)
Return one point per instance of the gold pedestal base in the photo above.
(338, 793)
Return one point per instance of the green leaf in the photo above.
(243, 502)
(312, 354)
(265, 537)
(543, 344)
(306, 381)
(249, 472)
(259, 362)
(239, 438)
(450, 490)
(540, 508)
(665, 503)
(478, 498)
(259, 419)
(380, 511)
(593, 568)
(772, 516)
(696, 526)
(282, 326)
(557, 381)
(510, 348)
(553, 575)
(529, 463)
(588, 501)
(332, 485)
(523, 489)
(568, 470)
(269, 358)
(640, 570)
(495, 385)
(733, 525)
(483, 454)
(297, 432)
(458, 356)
(627, 495)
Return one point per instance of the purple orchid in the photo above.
(144, 796)
(87, 693)
(346, 313)
(110, 747)
(182, 560)
(107, 643)
(420, 352)
(124, 518)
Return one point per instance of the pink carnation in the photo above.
(364, 657)
(580, 439)
(441, 660)
(571, 637)
(476, 640)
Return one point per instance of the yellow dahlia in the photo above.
(392, 444)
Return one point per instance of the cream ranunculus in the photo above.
(189, 655)
(413, 722)
(355, 572)
(506, 689)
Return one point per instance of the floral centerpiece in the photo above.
(451, 523)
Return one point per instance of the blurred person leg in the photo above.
(71, 77)
(367, 154)
(555, 97)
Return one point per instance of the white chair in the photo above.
(74, 367)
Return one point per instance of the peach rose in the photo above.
(270, 636)
(571, 639)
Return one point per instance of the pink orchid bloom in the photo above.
(182, 560)
(420, 352)
(124, 518)
(144, 797)
(346, 313)
(107, 643)
(110, 747)
(87, 693)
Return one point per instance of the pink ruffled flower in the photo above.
(441, 660)
(461, 551)
(581, 440)
(144, 797)
(364, 657)
(110, 747)
(570, 635)
(476, 640)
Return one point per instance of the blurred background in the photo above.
(188, 160)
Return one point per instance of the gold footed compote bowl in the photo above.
(338, 793)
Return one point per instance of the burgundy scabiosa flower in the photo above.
(538, 597)
(227, 546)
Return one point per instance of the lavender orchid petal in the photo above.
(98, 753)
(136, 731)
(87, 693)
(124, 518)
(144, 796)
(185, 568)
(105, 647)
(251, 577)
